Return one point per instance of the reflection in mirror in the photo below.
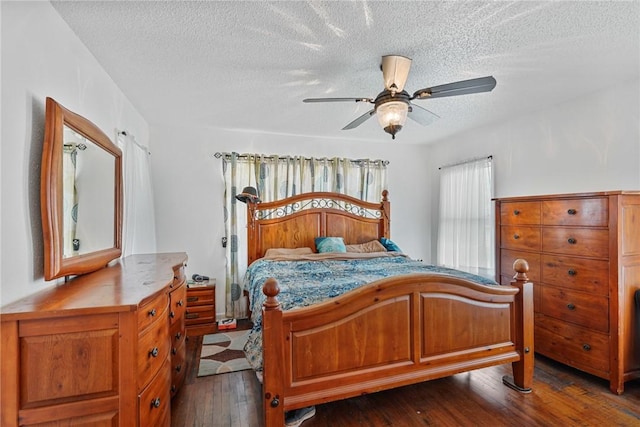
(81, 195)
(88, 179)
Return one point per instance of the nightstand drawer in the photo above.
(198, 296)
(200, 314)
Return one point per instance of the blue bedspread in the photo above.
(304, 283)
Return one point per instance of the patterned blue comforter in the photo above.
(304, 283)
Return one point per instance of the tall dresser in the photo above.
(584, 259)
(103, 349)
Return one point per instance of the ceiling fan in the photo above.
(393, 105)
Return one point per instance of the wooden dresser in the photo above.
(584, 258)
(106, 348)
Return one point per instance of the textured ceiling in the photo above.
(248, 65)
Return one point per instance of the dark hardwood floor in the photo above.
(561, 396)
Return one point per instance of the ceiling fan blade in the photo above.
(422, 115)
(338, 100)
(395, 70)
(360, 120)
(464, 87)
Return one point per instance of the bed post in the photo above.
(522, 379)
(385, 207)
(273, 356)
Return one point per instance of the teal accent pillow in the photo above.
(330, 244)
(389, 245)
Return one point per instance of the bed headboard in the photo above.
(295, 222)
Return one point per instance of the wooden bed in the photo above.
(389, 333)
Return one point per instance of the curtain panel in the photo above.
(139, 225)
(465, 229)
(278, 177)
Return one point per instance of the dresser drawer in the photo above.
(203, 296)
(520, 238)
(178, 277)
(178, 303)
(153, 348)
(177, 334)
(584, 212)
(582, 309)
(178, 367)
(582, 348)
(507, 257)
(152, 311)
(200, 314)
(576, 241)
(586, 275)
(512, 213)
(155, 400)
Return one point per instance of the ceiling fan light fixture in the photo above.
(392, 116)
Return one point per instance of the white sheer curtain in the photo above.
(465, 230)
(139, 225)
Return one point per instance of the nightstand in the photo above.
(200, 316)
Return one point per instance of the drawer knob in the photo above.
(516, 236)
(572, 241)
(572, 211)
(155, 403)
(192, 299)
(152, 312)
(178, 368)
(174, 351)
(172, 315)
(178, 336)
(192, 316)
(586, 347)
(571, 306)
(154, 352)
(572, 272)
(516, 212)
(180, 303)
(173, 388)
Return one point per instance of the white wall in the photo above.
(189, 186)
(42, 57)
(588, 144)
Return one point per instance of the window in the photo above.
(465, 229)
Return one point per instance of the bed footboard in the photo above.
(390, 333)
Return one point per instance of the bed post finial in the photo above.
(521, 267)
(385, 193)
(271, 290)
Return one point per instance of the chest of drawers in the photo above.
(584, 257)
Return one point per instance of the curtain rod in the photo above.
(227, 156)
(133, 139)
(475, 159)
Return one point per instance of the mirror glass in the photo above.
(81, 195)
(88, 183)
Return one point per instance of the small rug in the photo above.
(223, 353)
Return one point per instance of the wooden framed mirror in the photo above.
(80, 195)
